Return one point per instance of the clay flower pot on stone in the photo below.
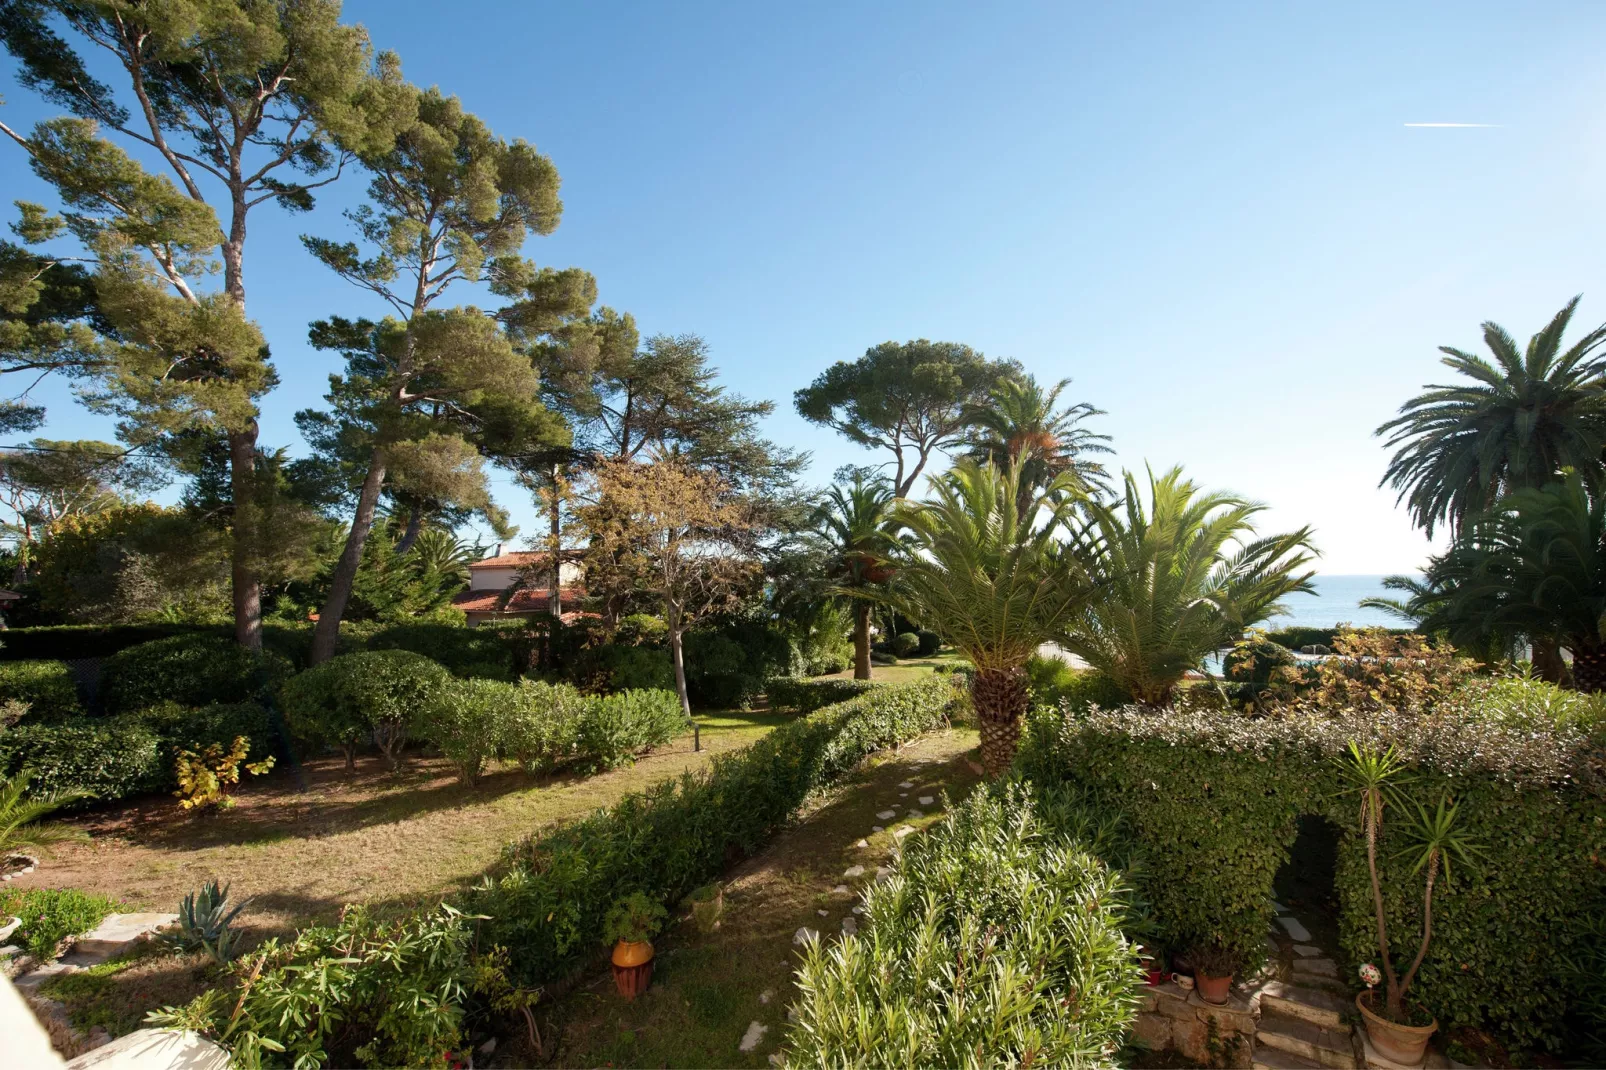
(629, 926)
(1213, 967)
(1404, 1044)
(1215, 990)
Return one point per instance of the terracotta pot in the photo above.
(1404, 1044)
(632, 967)
(1213, 989)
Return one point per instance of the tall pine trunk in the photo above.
(861, 640)
(555, 592)
(245, 585)
(327, 633)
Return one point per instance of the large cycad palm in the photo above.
(1516, 423)
(1177, 579)
(1022, 424)
(854, 524)
(994, 580)
(1533, 568)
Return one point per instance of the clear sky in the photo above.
(1214, 217)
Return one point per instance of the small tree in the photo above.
(679, 534)
(854, 524)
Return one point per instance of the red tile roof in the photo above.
(523, 601)
(511, 559)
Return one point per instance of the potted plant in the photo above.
(707, 904)
(1399, 1029)
(1213, 967)
(629, 926)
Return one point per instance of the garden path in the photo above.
(721, 999)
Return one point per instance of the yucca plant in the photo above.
(1176, 578)
(20, 827)
(994, 580)
(205, 920)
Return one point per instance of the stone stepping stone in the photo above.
(841, 889)
(927, 800)
(902, 832)
(1278, 907)
(877, 828)
(754, 1036)
(823, 913)
(804, 935)
(914, 815)
(903, 794)
(765, 996)
(40, 974)
(883, 872)
(1300, 934)
(853, 871)
(862, 843)
(850, 926)
(907, 784)
(9, 951)
(1316, 968)
(858, 908)
(887, 815)
(1307, 950)
(116, 934)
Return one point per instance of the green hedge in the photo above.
(806, 696)
(47, 687)
(547, 906)
(1215, 800)
(350, 699)
(1033, 919)
(71, 641)
(192, 670)
(464, 651)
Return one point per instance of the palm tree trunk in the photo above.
(1000, 697)
(1547, 662)
(861, 640)
(1589, 666)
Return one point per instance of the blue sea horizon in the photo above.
(1337, 601)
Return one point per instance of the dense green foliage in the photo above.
(997, 941)
(1215, 802)
(351, 697)
(193, 728)
(806, 696)
(612, 729)
(50, 915)
(463, 651)
(191, 670)
(547, 905)
(47, 687)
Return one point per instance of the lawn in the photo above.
(708, 990)
(906, 671)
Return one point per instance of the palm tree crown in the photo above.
(1177, 580)
(853, 524)
(1021, 420)
(1516, 423)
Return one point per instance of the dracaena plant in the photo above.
(1433, 844)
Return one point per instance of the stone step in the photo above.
(116, 934)
(1317, 1006)
(1295, 1036)
(1274, 1059)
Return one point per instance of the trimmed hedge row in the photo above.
(47, 686)
(191, 670)
(1014, 899)
(1215, 801)
(547, 905)
(806, 696)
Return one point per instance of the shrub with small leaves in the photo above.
(51, 915)
(46, 686)
(613, 729)
(372, 694)
(906, 644)
(806, 696)
(468, 720)
(206, 777)
(191, 670)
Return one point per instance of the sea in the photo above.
(1337, 601)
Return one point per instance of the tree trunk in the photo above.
(861, 641)
(1547, 662)
(1000, 697)
(1589, 666)
(415, 527)
(246, 586)
(328, 629)
(676, 652)
(554, 519)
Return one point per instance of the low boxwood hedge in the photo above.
(46, 686)
(1215, 799)
(192, 670)
(805, 696)
(546, 905)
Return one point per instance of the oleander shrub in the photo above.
(543, 725)
(110, 757)
(46, 686)
(906, 644)
(464, 651)
(192, 670)
(546, 903)
(466, 719)
(362, 992)
(806, 696)
(51, 915)
(930, 642)
(613, 729)
(372, 694)
(1214, 798)
(997, 941)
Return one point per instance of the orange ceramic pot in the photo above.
(632, 967)
(1213, 989)
(1404, 1044)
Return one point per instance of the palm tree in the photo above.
(1517, 423)
(19, 818)
(993, 580)
(1177, 580)
(1020, 420)
(853, 525)
(1533, 568)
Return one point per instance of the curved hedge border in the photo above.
(1215, 802)
(806, 696)
(547, 906)
(46, 686)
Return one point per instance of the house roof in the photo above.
(520, 559)
(523, 601)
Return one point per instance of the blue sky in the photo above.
(1216, 220)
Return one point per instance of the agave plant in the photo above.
(20, 827)
(205, 920)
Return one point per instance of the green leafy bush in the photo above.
(806, 696)
(63, 641)
(462, 650)
(1033, 920)
(220, 722)
(47, 687)
(543, 725)
(613, 729)
(728, 661)
(906, 644)
(110, 757)
(362, 992)
(547, 904)
(370, 694)
(1089, 687)
(616, 667)
(1533, 703)
(467, 719)
(191, 670)
(930, 642)
(50, 915)
(1215, 798)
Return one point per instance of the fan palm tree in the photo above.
(853, 524)
(1516, 423)
(1532, 568)
(19, 817)
(993, 580)
(1021, 420)
(1176, 580)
